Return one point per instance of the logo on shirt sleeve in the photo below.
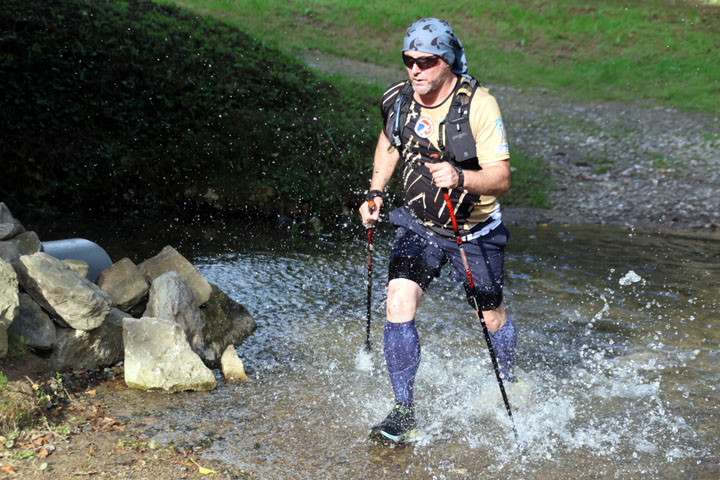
(424, 127)
(501, 147)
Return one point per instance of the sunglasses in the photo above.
(423, 63)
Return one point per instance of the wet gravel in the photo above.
(619, 164)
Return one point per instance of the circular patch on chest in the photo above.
(424, 127)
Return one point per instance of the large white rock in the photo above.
(9, 302)
(158, 357)
(72, 299)
(125, 283)
(101, 347)
(171, 299)
(33, 325)
(169, 260)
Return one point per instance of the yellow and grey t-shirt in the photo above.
(420, 139)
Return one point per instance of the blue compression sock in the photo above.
(504, 342)
(402, 356)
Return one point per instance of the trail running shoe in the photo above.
(398, 426)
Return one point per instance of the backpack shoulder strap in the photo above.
(395, 104)
(460, 138)
(389, 98)
(468, 86)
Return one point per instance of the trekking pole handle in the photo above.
(371, 208)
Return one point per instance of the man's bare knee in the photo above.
(402, 301)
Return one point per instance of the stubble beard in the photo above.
(430, 86)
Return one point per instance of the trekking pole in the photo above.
(470, 290)
(370, 228)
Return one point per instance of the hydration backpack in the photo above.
(460, 146)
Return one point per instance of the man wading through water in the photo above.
(449, 133)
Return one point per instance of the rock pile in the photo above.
(162, 318)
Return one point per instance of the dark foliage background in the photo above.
(125, 107)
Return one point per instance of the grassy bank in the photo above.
(663, 51)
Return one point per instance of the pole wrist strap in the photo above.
(370, 196)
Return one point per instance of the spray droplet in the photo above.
(363, 361)
(630, 278)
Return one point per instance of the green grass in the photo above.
(530, 182)
(662, 51)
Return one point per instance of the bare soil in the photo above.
(80, 434)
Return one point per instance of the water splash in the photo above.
(630, 278)
(618, 382)
(364, 360)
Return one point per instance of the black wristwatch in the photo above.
(461, 176)
(370, 196)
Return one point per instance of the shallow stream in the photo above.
(618, 352)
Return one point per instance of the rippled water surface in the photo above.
(618, 351)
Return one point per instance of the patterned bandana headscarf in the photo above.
(436, 37)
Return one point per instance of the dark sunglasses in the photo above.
(423, 63)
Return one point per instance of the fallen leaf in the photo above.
(91, 392)
(42, 440)
(8, 470)
(203, 470)
(42, 453)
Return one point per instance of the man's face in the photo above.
(425, 78)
